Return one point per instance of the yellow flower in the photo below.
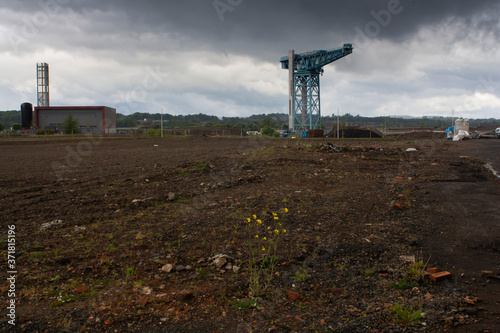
(285, 210)
(248, 220)
(268, 228)
(276, 231)
(276, 218)
(256, 236)
(284, 230)
(254, 216)
(259, 221)
(264, 238)
(263, 248)
(275, 214)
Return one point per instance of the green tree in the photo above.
(269, 121)
(70, 125)
(130, 121)
(16, 127)
(268, 130)
(2, 127)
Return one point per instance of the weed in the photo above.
(130, 271)
(264, 238)
(340, 266)
(139, 283)
(406, 315)
(111, 248)
(65, 297)
(36, 255)
(404, 284)
(57, 278)
(202, 272)
(416, 270)
(247, 303)
(202, 166)
(300, 275)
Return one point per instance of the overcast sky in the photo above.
(411, 57)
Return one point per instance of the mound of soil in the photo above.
(354, 133)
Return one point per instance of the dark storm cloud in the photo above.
(222, 56)
(264, 29)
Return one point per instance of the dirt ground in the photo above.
(214, 234)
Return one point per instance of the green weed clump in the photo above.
(264, 236)
(130, 271)
(406, 315)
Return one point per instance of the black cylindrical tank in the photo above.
(26, 115)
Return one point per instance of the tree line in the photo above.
(12, 119)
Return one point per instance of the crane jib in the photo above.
(314, 60)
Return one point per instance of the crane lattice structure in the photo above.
(304, 96)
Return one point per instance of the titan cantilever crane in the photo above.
(304, 97)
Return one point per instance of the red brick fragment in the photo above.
(441, 276)
(432, 270)
(398, 205)
(81, 289)
(294, 296)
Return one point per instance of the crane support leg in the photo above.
(306, 102)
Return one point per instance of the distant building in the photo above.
(91, 119)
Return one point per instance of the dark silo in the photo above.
(26, 115)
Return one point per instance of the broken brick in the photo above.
(432, 270)
(81, 289)
(487, 274)
(397, 205)
(294, 296)
(441, 276)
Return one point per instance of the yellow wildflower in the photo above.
(248, 220)
(285, 210)
(256, 236)
(284, 230)
(276, 231)
(254, 216)
(268, 228)
(265, 238)
(276, 218)
(259, 221)
(263, 248)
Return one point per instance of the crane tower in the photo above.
(304, 97)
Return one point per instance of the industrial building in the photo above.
(91, 119)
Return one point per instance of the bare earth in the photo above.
(350, 221)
